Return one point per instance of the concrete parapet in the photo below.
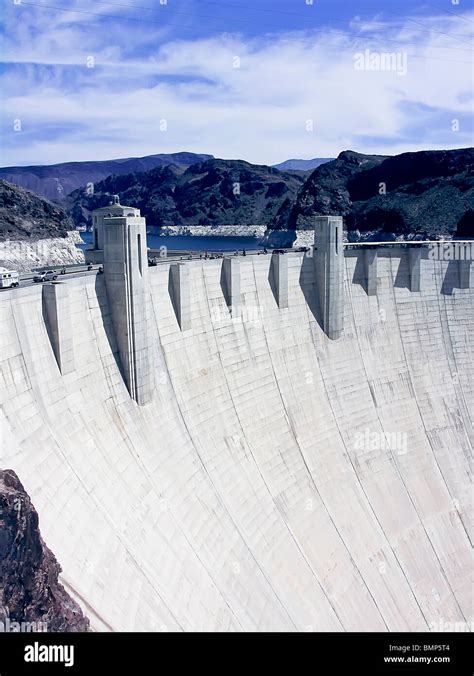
(464, 274)
(57, 315)
(329, 273)
(370, 271)
(414, 268)
(180, 293)
(279, 279)
(126, 281)
(230, 283)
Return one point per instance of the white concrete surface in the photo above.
(278, 480)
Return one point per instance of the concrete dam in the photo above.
(262, 443)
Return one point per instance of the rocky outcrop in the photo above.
(55, 181)
(426, 194)
(29, 587)
(24, 215)
(34, 232)
(216, 192)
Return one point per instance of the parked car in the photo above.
(9, 278)
(45, 276)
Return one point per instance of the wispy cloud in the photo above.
(87, 88)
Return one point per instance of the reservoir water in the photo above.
(190, 242)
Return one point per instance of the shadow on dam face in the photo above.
(308, 287)
(104, 307)
(451, 278)
(402, 278)
(359, 276)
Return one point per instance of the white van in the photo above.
(9, 278)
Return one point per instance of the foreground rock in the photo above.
(29, 587)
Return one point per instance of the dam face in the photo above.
(276, 479)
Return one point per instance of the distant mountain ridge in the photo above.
(55, 181)
(302, 165)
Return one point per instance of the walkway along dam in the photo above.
(268, 442)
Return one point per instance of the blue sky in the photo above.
(261, 80)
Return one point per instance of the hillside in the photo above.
(426, 194)
(26, 216)
(423, 194)
(55, 181)
(215, 192)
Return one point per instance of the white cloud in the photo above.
(257, 112)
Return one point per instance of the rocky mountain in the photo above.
(422, 194)
(29, 587)
(214, 192)
(24, 215)
(302, 165)
(55, 181)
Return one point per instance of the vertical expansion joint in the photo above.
(139, 249)
(329, 273)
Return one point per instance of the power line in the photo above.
(154, 9)
(449, 11)
(226, 33)
(419, 23)
(381, 23)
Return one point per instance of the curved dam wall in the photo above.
(277, 479)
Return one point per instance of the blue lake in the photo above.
(190, 243)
